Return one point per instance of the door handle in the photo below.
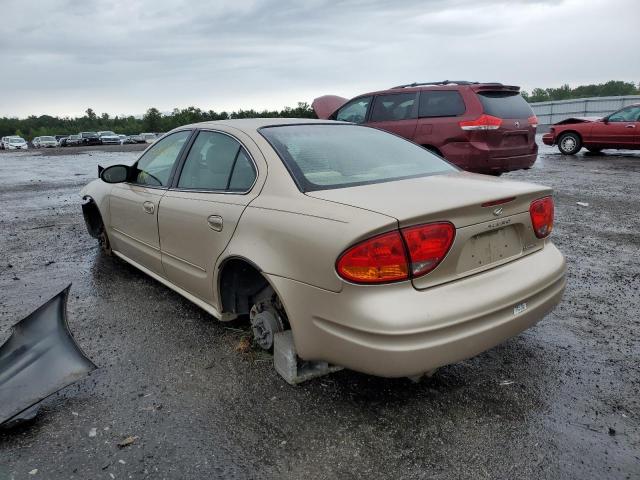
(148, 207)
(215, 222)
(630, 126)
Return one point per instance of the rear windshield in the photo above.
(503, 104)
(325, 156)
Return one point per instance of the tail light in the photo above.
(533, 121)
(400, 255)
(428, 245)
(483, 122)
(541, 212)
(377, 260)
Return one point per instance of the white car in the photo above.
(15, 143)
(148, 137)
(45, 141)
(109, 138)
(123, 139)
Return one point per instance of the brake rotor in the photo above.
(265, 324)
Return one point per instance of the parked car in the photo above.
(70, 140)
(136, 139)
(109, 138)
(89, 138)
(148, 137)
(15, 143)
(2, 140)
(620, 130)
(352, 250)
(45, 142)
(480, 127)
(123, 139)
(59, 139)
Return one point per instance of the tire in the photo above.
(569, 143)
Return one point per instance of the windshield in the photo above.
(106, 133)
(48, 139)
(504, 104)
(324, 156)
(16, 140)
(88, 134)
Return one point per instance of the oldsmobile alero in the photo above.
(370, 251)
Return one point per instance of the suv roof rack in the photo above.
(444, 82)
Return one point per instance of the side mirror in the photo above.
(115, 174)
(605, 119)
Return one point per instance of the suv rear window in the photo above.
(505, 104)
(441, 103)
(325, 156)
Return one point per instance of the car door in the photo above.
(396, 113)
(133, 224)
(621, 129)
(198, 215)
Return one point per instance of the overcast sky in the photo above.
(60, 57)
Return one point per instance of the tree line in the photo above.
(152, 121)
(155, 121)
(565, 92)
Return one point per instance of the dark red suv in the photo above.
(480, 127)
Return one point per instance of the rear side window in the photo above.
(443, 103)
(325, 156)
(503, 104)
(216, 162)
(393, 107)
(355, 111)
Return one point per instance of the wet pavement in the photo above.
(561, 400)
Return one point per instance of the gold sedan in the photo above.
(344, 245)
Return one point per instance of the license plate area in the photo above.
(488, 248)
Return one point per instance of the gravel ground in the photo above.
(560, 400)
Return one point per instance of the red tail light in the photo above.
(541, 212)
(428, 245)
(377, 260)
(533, 121)
(399, 255)
(483, 122)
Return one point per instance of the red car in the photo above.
(480, 127)
(621, 129)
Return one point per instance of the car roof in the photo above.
(248, 124)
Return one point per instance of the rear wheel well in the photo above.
(240, 282)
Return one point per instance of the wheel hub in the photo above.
(265, 324)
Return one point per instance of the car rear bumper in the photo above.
(395, 330)
(548, 139)
(480, 158)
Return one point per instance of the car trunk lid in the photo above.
(491, 216)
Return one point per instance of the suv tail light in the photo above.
(408, 253)
(483, 122)
(533, 121)
(541, 212)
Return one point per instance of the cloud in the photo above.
(60, 57)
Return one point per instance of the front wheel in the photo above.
(569, 143)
